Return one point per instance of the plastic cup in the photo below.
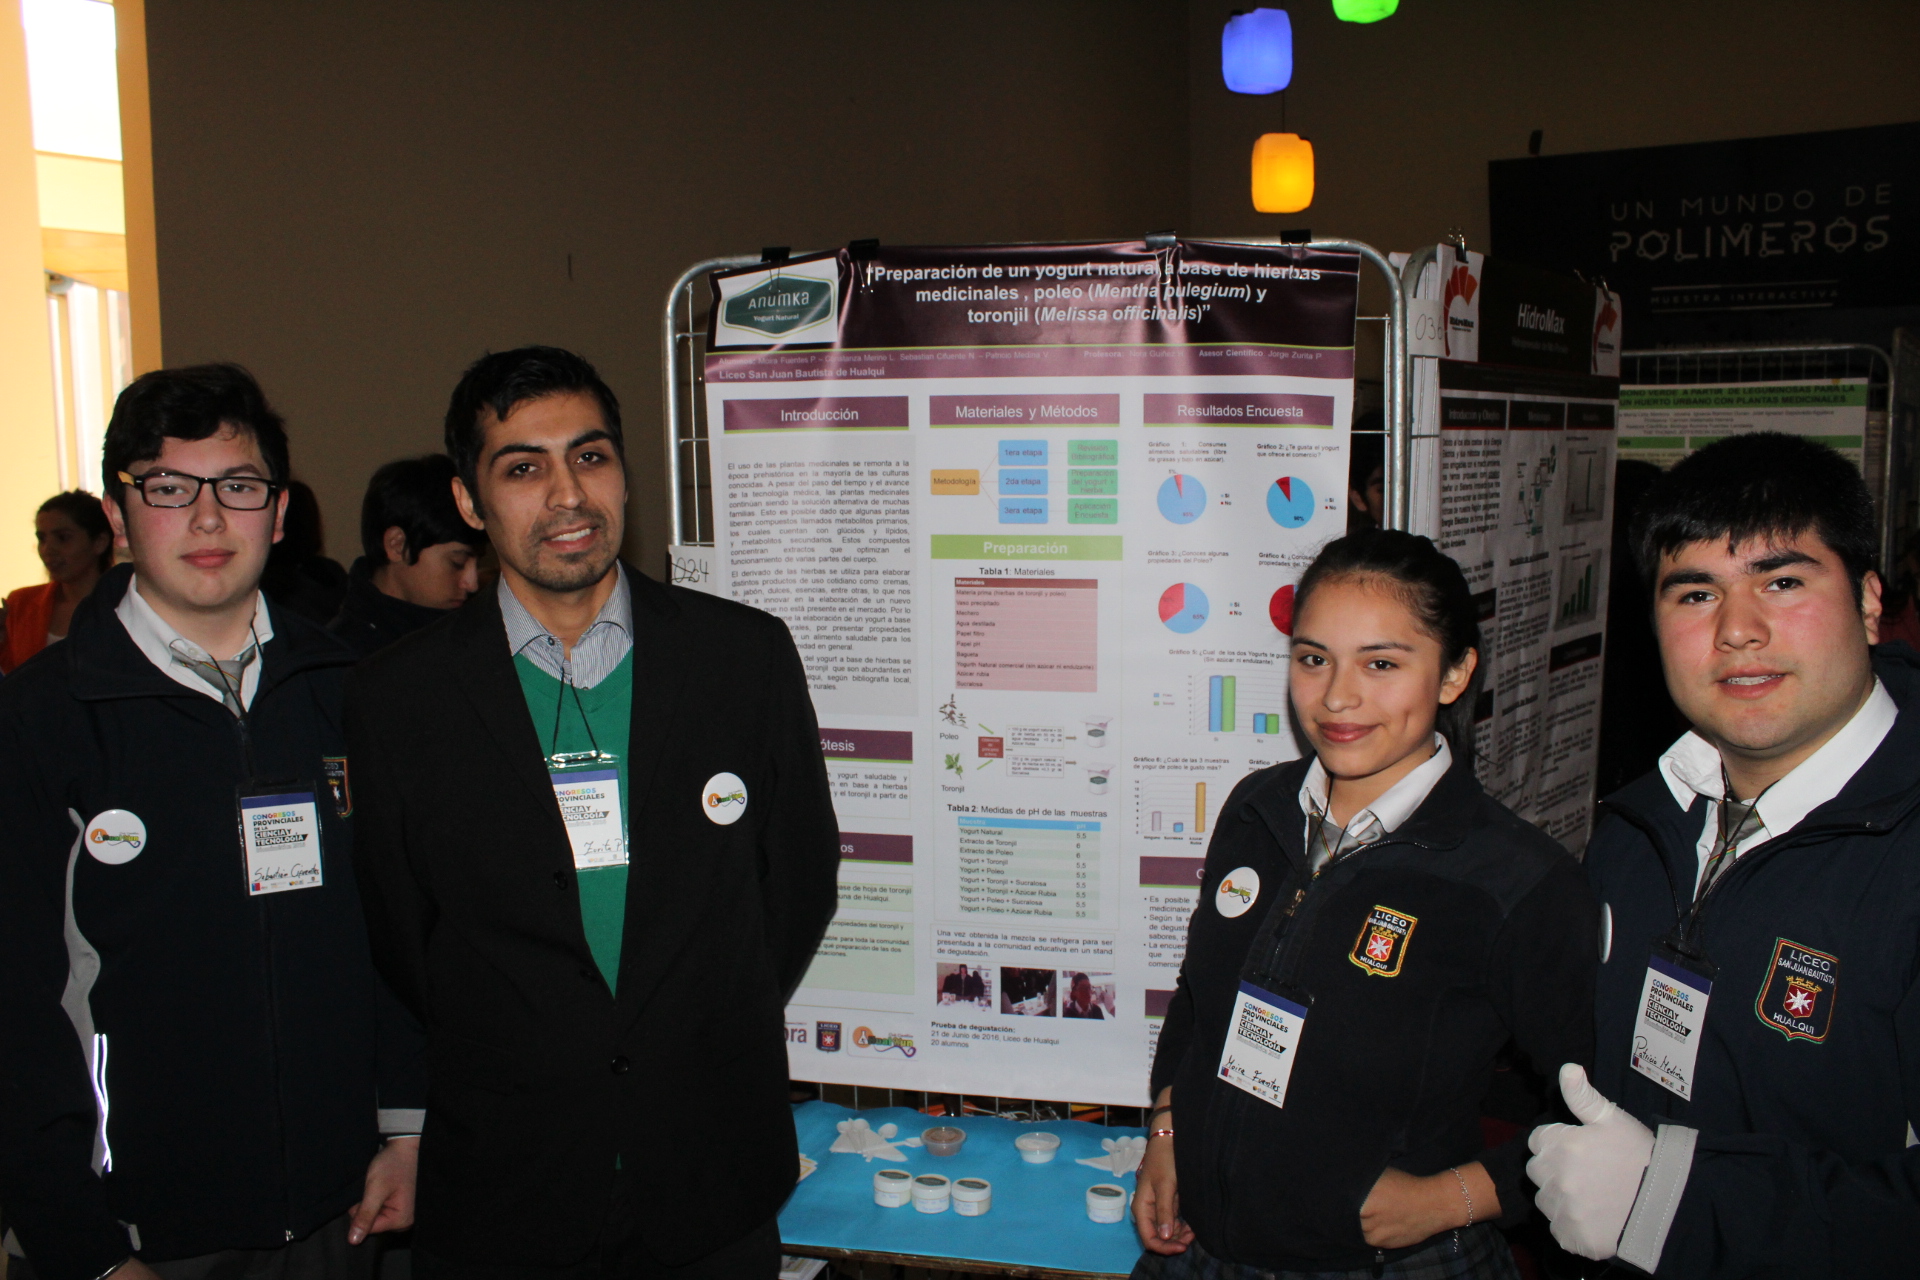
(1037, 1148)
(943, 1140)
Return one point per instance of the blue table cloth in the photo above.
(1039, 1215)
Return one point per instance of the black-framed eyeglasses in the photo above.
(171, 489)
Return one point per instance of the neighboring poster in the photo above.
(1517, 488)
(1663, 424)
(1035, 521)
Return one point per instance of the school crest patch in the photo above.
(1382, 945)
(1797, 997)
(339, 784)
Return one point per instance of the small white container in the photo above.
(891, 1188)
(972, 1196)
(1037, 1148)
(1106, 1202)
(932, 1193)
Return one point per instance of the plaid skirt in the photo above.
(1478, 1252)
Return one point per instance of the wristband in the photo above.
(1159, 1133)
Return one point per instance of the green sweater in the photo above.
(609, 711)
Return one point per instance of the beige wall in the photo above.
(355, 199)
(32, 473)
(1404, 114)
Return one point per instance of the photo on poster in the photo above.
(1089, 995)
(1030, 993)
(964, 984)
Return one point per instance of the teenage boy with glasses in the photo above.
(198, 1059)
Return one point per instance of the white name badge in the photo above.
(590, 806)
(1262, 1041)
(1666, 1036)
(281, 836)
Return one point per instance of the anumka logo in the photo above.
(1548, 321)
(867, 1038)
(780, 305)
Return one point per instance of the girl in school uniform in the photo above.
(1372, 930)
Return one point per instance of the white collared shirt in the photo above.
(1393, 807)
(1692, 768)
(154, 636)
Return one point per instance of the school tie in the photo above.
(223, 674)
(1327, 849)
(1739, 822)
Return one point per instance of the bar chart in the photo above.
(1177, 808)
(1579, 590)
(1253, 705)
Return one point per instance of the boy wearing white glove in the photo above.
(1742, 1119)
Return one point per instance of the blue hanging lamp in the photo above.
(1256, 51)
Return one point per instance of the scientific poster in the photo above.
(1519, 492)
(1663, 424)
(1034, 515)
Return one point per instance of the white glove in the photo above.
(1589, 1173)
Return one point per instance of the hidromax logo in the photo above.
(780, 305)
(1548, 321)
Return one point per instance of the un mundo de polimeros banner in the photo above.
(1034, 515)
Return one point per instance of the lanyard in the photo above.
(240, 708)
(558, 759)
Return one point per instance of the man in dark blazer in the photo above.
(598, 850)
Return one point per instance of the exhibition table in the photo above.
(1038, 1222)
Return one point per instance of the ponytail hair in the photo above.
(1430, 584)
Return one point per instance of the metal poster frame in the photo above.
(681, 380)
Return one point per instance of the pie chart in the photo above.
(1280, 610)
(1183, 607)
(1182, 499)
(1290, 502)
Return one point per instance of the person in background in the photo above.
(198, 1063)
(419, 559)
(1741, 1118)
(76, 544)
(1367, 474)
(300, 577)
(1373, 928)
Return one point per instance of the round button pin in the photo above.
(115, 836)
(1236, 893)
(724, 799)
